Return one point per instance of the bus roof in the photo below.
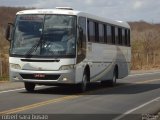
(74, 12)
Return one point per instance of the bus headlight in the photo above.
(15, 66)
(67, 67)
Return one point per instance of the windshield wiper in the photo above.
(32, 49)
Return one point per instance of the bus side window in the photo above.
(116, 36)
(123, 37)
(109, 34)
(126, 37)
(91, 31)
(129, 39)
(101, 33)
(120, 36)
(113, 35)
(81, 43)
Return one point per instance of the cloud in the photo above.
(127, 10)
(89, 2)
(137, 4)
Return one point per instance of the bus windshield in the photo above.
(44, 36)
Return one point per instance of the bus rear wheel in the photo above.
(29, 86)
(111, 82)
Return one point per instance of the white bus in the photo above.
(64, 46)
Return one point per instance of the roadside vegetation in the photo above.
(145, 42)
(7, 16)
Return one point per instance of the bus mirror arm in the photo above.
(8, 31)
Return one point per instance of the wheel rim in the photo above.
(114, 78)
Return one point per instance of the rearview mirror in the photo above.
(8, 31)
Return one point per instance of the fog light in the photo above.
(65, 79)
(16, 78)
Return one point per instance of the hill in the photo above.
(142, 25)
(145, 41)
(145, 45)
(8, 15)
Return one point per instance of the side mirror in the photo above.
(9, 31)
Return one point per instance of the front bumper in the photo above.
(64, 77)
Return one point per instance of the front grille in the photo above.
(39, 76)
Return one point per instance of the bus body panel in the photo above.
(101, 59)
(37, 70)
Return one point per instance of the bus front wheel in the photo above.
(83, 85)
(29, 86)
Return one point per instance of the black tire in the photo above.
(82, 87)
(29, 86)
(111, 82)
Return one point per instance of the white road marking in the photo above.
(134, 109)
(17, 89)
(144, 74)
(12, 90)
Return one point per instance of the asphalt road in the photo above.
(134, 97)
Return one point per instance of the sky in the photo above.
(125, 10)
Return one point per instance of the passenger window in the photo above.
(120, 36)
(101, 33)
(91, 31)
(109, 34)
(116, 35)
(123, 37)
(113, 34)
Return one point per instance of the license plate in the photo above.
(39, 75)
